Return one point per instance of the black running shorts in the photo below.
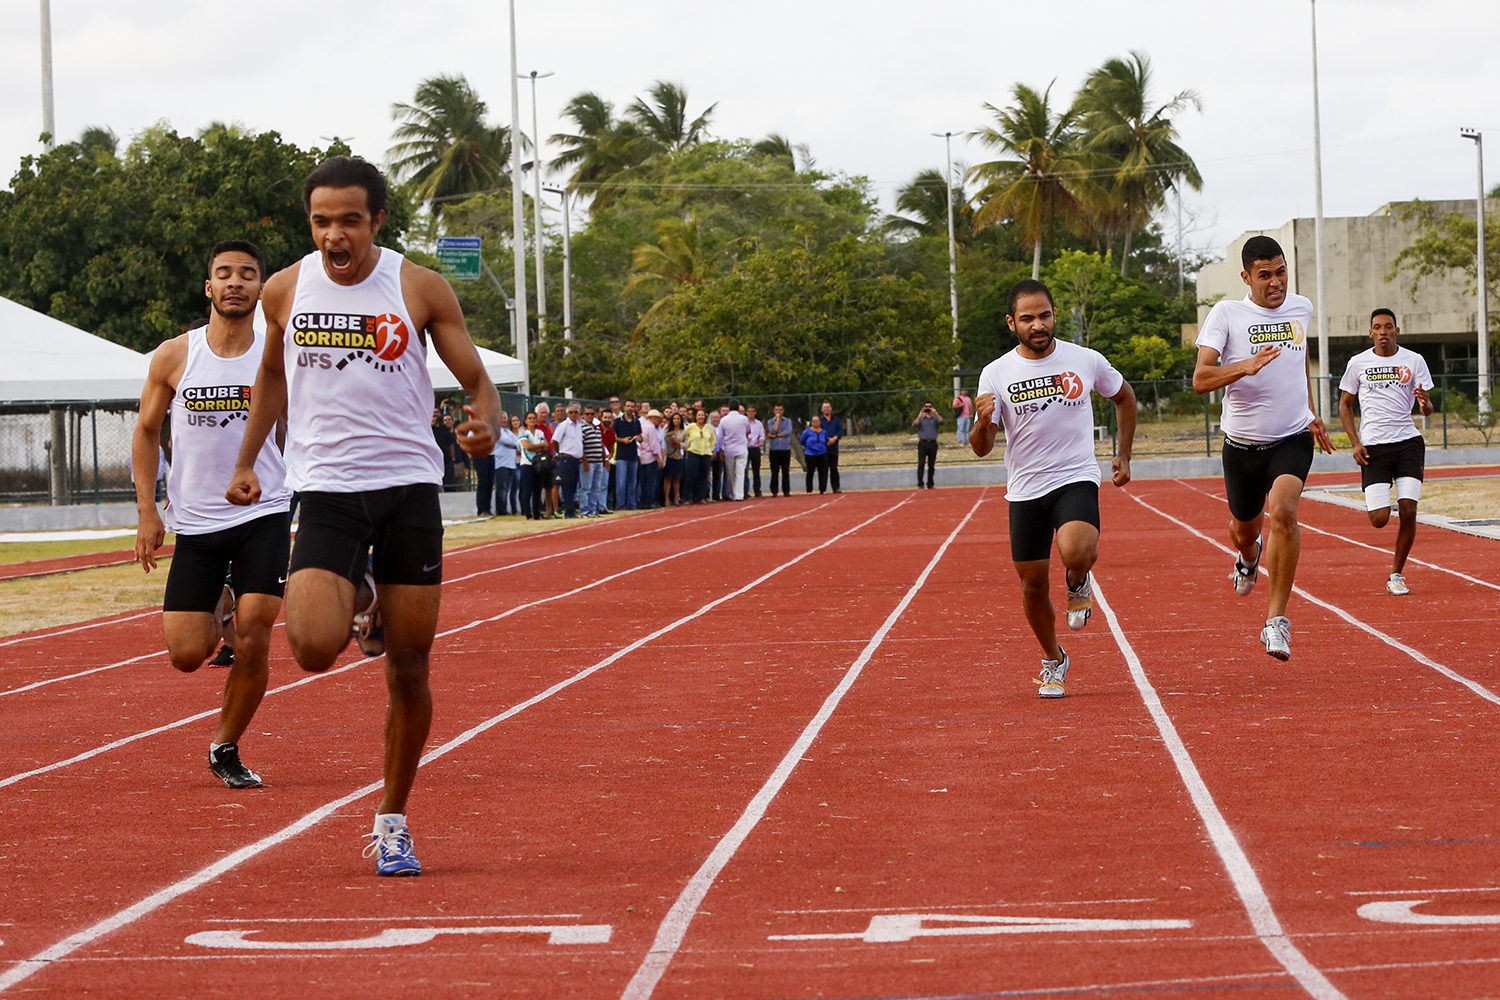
(1397, 460)
(1032, 522)
(253, 554)
(402, 527)
(1251, 469)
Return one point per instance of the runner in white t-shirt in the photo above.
(1255, 349)
(1040, 392)
(1387, 380)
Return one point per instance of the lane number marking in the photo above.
(400, 937)
(899, 927)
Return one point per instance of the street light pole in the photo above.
(536, 204)
(1483, 316)
(952, 254)
(49, 125)
(518, 217)
(1325, 395)
(567, 270)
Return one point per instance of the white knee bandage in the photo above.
(1408, 488)
(1378, 496)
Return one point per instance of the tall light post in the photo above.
(567, 270)
(536, 204)
(49, 125)
(1325, 394)
(952, 254)
(518, 216)
(1482, 318)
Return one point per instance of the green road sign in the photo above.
(459, 256)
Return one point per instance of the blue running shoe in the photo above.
(393, 853)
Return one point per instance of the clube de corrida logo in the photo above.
(1064, 385)
(333, 340)
(1387, 375)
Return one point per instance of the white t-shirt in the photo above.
(1386, 388)
(1272, 403)
(1048, 416)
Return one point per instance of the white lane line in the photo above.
(673, 929)
(26, 968)
(1410, 559)
(1257, 904)
(1391, 641)
(96, 751)
(497, 569)
(79, 628)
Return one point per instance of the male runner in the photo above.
(346, 354)
(1255, 349)
(1040, 393)
(1387, 380)
(204, 377)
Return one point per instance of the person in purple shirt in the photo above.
(734, 442)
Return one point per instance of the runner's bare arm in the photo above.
(1209, 375)
(1346, 417)
(982, 435)
(1124, 401)
(1316, 425)
(268, 400)
(145, 444)
(448, 335)
(1424, 401)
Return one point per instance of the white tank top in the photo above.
(209, 415)
(359, 399)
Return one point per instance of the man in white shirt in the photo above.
(1387, 379)
(1255, 349)
(1040, 392)
(734, 442)
(567, 441)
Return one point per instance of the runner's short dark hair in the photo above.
(343, 172)
(1383, 311)
(1259, 248)
(1026, 286)
(238, 246)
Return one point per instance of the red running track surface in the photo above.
(624, 808)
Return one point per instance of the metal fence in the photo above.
(79, 452)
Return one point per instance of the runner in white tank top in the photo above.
(204, 378)
(346, 346)
(1256, 351)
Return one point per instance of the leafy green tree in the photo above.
(1449, 242)
(1484, 419)
(445, 148)
(677, 258)
(98, 140)
(118, 246)
(1139, 142)
(779, 146)
(925, 203)
(1045, 175)
(602, 152)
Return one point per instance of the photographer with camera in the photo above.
(927, 424)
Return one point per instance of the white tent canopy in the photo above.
(502, 368)
(46, 359)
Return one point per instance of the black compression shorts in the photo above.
(402, 527)
(1251, 469)
(253, 554)
(1032, 522)
(1397, 460)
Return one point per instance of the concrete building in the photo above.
(1436, 314)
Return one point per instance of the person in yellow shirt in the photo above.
(700, 450)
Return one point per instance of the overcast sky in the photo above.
(863, 83)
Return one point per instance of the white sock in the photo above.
(214, 747)
(389, 822)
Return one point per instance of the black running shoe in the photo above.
(224, 658)
(225, 762)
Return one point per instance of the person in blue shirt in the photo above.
(507, 475)
(815, 453)
(833, 427)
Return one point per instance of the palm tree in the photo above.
(677, 258)
(1114, 109)
(98, 140)
(604, 150)
(444, 147)
(1046, 177)
(778, 146)
(665, 119)
(925, 202)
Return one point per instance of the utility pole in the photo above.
(1325, 394)
(49, 123)
(952, 254)
(518, 218)
(536, 205)
(1482, 317)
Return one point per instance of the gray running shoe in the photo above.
(1081, 603)
(1050, 684)
(1244, 576)
(1397, 585)
(1277, 635)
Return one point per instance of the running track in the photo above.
(791, 749)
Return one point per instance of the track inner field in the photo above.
(595, 806)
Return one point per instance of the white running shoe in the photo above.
(1081, 603)
(1244, 576)
(1397, 585)
(1050, 684)
(1277, 635)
